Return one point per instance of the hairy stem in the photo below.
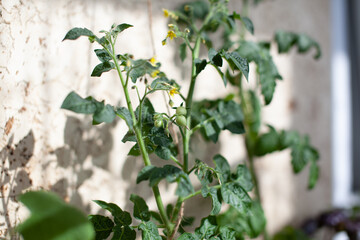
(187, 133)
(144, 153)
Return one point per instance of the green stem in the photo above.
(144, 153)
(187, 133)
(197, 127)
(174, 159)
(249, 143)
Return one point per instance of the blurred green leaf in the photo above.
(182, 51)
(52, 219)
(260, 54)
(286, 40)
(248, 24)
(290, 233)
(267, 143)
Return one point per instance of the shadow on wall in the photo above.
(83, 142)
(14, 178)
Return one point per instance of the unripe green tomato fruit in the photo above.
(181, 111)
(158, 123)
(181, 120)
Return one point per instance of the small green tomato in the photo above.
(181, 120)
(181, 111)
(158, 123)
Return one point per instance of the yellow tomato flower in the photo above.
(153, 61)
(173, 91)
(154, 73)
(171, 34)
(166, 12)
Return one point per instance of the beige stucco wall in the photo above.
(43, 147)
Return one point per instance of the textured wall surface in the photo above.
(43, 147)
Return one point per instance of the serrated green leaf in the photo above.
(121, 218)
(248, 24)
(141, 67)
(234, 195)
(237, 62)
(50, 218)
(158, 137)
(123, 233)
(171, 174)
(182, 50)
(102, 55)
(149, 231)
(101, 68)
(204, 173)
(184, 186)
(102, 225)
(243, 177)
(222, 167)
(286, 40)
(124, 113)
(188, 236)
(227, 114)
(141, 210)
(268, 72)
(200, 65)
(207, 228)
(216, 204)
(162, 83)
(75, 33)
(227, 233)
(268, 78)
(75, 103)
